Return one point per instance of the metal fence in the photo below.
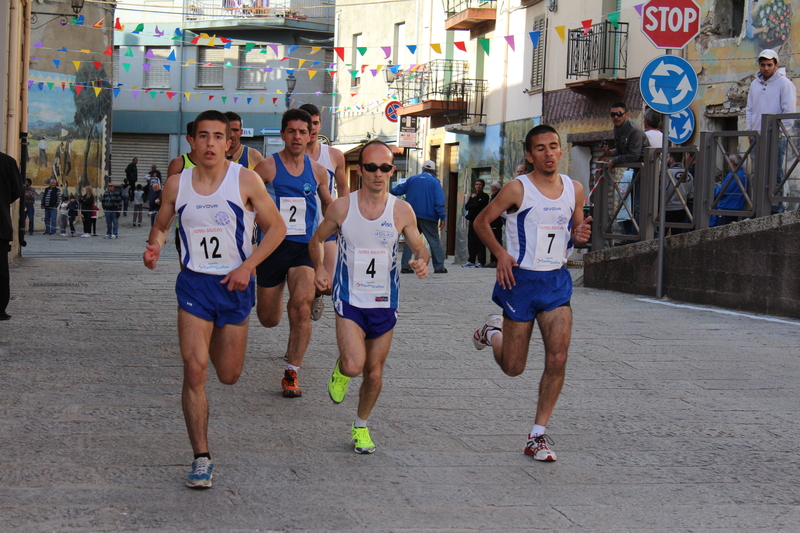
(603, 49)
(320, 11)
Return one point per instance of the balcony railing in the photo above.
(321, 12)
(603, 50)
(467, 14)
(452, 7)
(441, 87)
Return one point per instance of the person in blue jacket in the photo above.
(424, 193)
(733, 198)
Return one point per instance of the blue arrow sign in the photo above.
(668, 84)
(681, 126)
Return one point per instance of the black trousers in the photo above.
(475, 248)
(5, 281)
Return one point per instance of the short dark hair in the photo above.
(620, 105)
(311, 109)
(538, 130)
(234, 116)
(370, 143)
(216, 116)
(29, 181)
(295, 114)
(482, 181)
(189, 127)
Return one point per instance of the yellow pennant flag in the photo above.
(187, 95)
(189, 62)
(211, 42)
(260, 100)
(379, 67)
(300, 63)
(86, 51)
(560, 32)
(97, 91)
(196, 96)
(278, 91)
(311, 74)
(204, 36)
(77, 64)
(315, 49)
(436, 47)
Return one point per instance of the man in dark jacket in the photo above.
(476, 203)
(51, 198)
(132, 173)
(10, 191)
(112, 205)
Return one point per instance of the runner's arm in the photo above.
(321, 175)
(160, 230)
(339, 175)
(406, 222)
(333, 220)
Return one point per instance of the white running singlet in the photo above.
(538, 233)
(215, 230)
(366, 273)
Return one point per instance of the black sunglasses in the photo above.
(372, 167)
(617, 114)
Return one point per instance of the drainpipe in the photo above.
(504, 99)
(15, 59)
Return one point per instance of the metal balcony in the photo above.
(467, 14)
(441, 87)
(261, 12)
(603, 51)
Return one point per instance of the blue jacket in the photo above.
(732, 199)
(424, 193)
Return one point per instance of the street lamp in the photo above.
(77, 5)
(291, 83)
(388, 74)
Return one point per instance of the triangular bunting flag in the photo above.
(116, 93)
(50, 85)
(332, 72)
(535, 38)
(587, 25)
(210, 97)
(167, 67)
(77, 64)
(195, 40)
(300, 63)
(228, 64)
(146, 67)
(235, 99)
(339, 52)
(171, 56)
(374, 72)
(412, 48)
(139, 29)
(461, 46)
(292, 49)
(224, 40)
(311, 73)
(118, 25)
(227, 45)
(129, 53)
(62, 49)
(363, 68)
(99, 24)
(56, 62)
(109, 51)
(387, 50)
(638, 8)
(436, 47)
(158, 32)
(78, 89)
(38, 44)
(315, 49)
(98, 65)
(153, 95)
(78, 21)
(248, 47)
(485, 45)
(224, 98)
(127, 67)
(261, 100)
(613, 18)
(274, 48)
(560, 32)
(150, 54)
(361, 50)
(249, 100)
(178, 35)
(187, 95)
(170, 95)
(354, 73)
(97, 91)
(510, 41)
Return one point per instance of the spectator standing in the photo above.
(498, 223)
(731, 191)
(112, 205)
(684, 184)
(155, 203)
(30, 203)
(63, 208)
(126, 193)
(95, 214)
(771, 92)
(476, 203)
(51, 198)
(10, 190)
(131, 172)
(424, 192)
(652, 128)
(73, 208)
(87, 210)
(138, 205)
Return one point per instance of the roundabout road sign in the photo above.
(681, 126)
(668, 84)
(391, 110)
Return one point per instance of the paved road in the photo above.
(672, 418)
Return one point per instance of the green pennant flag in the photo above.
(129, 53)
(613, 18)
(224, 99)
(50, 85)
(485, 45)
(362, 50)
(153, 94)
(127, 67)
(228, 64)
(249, 46)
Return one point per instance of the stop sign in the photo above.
(671, 23)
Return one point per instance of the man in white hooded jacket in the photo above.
(771, 93)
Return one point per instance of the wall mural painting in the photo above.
(768, 23)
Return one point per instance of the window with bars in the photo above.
(210, 68)
(537, 66)
(357, 43)
(251, 69)
(158, 76)
(115, 69)
(328, 86)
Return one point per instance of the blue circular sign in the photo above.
(668, 84)
(681, 126)
(391, 110)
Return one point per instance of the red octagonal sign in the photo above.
(671, 23)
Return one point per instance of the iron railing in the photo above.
(321, 12)
(453, 7)
(603, 49)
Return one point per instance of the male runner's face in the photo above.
(377, 180)
(316, 125)
(211, 142)
(296, 136)
(236, 133)
(545, 154)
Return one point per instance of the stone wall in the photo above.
(749, 265)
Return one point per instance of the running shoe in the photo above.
(363, 444)
(479, 337)
(337, 385)
(539, 449)
(289, 383)
(200, 477)
(317, 308)
(468, 264)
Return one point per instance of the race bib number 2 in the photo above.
(551, 240)
(371, 271)
(209, 247)
(293, 211)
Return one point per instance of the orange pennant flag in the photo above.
(436, 47)
(99, 24)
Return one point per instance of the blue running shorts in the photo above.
(373, 322)
(535, 291)
(203, 296)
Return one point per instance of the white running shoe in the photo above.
(539, 449)
(317, 308)
(479, 337)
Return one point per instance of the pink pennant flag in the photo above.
(150, 54)
(274, 48)
(638, 8)
(510, 41)
(374, 72)
(146, 67)
(386, 50)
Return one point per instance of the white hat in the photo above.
(768, 54)
(429, 165)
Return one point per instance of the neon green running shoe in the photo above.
(363, 444)
(337, 385)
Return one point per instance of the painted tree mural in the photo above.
(91, 108)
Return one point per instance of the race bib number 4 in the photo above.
(209, 248)
(293, 211)
(551, 241)
(371, 271)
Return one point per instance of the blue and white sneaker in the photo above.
(468, 264)
(200, 477)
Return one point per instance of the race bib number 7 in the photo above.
(551, 241)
